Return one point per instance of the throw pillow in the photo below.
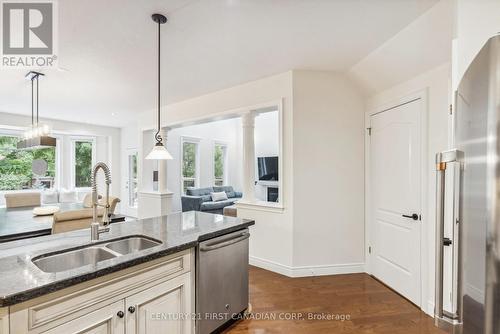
(220, 196)
(49, 197)
(67, 196)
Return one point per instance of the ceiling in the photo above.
(107, 50)
(422, 45)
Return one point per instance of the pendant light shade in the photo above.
(159, 152)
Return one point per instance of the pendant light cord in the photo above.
(157, 135)
(32, 106)
(37, 98)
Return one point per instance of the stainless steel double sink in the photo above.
(92, 254)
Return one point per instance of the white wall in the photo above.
(422, 45)
(224, 131)
(271, 241)
(476, 22)
(328, 142)
(437, 84)
(310, 242)
(107, 146)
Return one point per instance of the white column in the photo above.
(156, 203)
(248, 124)
(162, 166)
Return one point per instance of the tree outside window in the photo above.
(219, 164)
(83, 163)
(16, 166)
(189, 154)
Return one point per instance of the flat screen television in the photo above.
(268, 168)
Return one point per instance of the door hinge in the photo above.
(369, 131)
(451, 109)
(369, 249)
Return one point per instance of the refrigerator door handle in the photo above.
(447, 242)
(441, 317)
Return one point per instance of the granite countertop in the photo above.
(21, 280)
(19, 223)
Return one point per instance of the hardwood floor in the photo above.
(371, 307)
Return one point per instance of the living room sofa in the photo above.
(199, 199)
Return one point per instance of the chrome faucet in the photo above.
(95, 227)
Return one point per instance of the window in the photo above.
(16, 171)
(132, 180)
(83, 160)
(189, 164)
(220, 153)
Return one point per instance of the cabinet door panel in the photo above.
(102, 321)
(165, 308)
(4, 320)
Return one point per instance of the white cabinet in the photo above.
(164, 308)
(4, 320)
(157, 310)
(153, 297)
(105, 320)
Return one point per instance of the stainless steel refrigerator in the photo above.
(476, 222)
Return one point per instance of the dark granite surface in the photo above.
(19, 223)
(21, 280)
(14, 221)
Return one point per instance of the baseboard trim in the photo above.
(307, 271)
(430, 308)
(335, 269)
(271, 266)
(474, 292)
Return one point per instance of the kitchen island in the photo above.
(140, 277)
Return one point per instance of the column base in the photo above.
(154, 204)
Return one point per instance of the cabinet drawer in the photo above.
(43, 313)
(102, 321)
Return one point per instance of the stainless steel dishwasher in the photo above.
(221, 280)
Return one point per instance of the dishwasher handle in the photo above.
(239, 238)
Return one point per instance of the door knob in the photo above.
(131, 309)
(413, 216)
(120, 314)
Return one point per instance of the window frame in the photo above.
(130, 191)
(73, 141)
(196, 179)
(224, 146)
(8, 131)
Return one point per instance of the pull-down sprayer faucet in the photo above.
(95, 228)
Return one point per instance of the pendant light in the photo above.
(38, 135)
(159, 152)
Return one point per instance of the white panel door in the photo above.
(395, 179)
(164, 308)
